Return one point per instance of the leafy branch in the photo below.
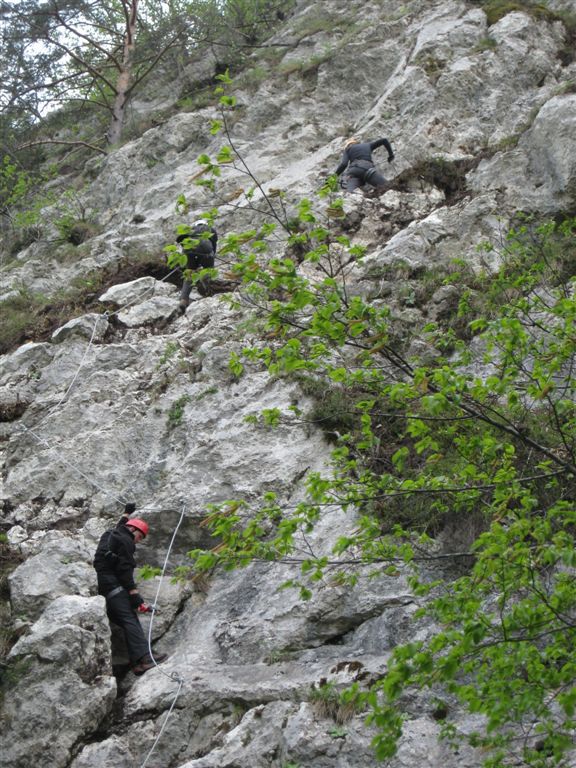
(419, 445)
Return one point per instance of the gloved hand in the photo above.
(145, 608)
(130, 508)
(136, 600)
(390, 157)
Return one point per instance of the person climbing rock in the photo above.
(359, 166)
(199, 246)
(114, 563)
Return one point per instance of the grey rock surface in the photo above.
(65, 689)
(150, 411)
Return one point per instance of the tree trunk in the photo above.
(123, 84)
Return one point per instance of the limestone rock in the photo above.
(136, 291)
(92, 327)
(28, 360)
(64, 688)
(155, 310)
(61, 569)
(482, 121)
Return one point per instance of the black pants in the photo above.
(121, 613)
(358, 176)
(195, 261)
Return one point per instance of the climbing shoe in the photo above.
(146, 663)
(182, 307)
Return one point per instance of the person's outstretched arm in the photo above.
(383, 143)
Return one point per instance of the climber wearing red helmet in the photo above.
(114, 563)
(138, 525)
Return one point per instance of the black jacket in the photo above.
(114, 559)
(362, 152)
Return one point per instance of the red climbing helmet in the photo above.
(140, 525)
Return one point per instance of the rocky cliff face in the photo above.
(138, 403)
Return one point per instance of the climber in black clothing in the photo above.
(199, 245)
(359, 166)
(114, 563)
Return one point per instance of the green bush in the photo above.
(176, 411)
(328, 703)
(497, 9)
(74, 231)
(423, 447)
(18, 317)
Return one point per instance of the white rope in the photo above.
(173, 675)
(168, 552)
(180, 683)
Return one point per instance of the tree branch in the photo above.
(58, 141)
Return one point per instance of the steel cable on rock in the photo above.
(80, 366)
(52, 411)
(106, 316)
(92, 482)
